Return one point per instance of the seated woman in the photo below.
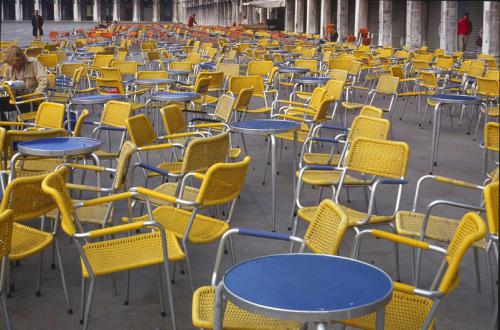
(26, 69)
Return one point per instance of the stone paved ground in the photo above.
(460, 158)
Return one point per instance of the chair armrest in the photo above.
(167, 198)
(337, 128)
(326, 139)
(15, 123)
(159, 146)
(113, 230)
(153, 169)
(111, 128)
(181, 135)
(138, 92)
(209, 125)
(105, 199)
(456, 182)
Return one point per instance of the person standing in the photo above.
(192, 20)
(37, 23)
(464, 29)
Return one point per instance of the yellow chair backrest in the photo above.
(50, 115)
(194, 58)
(102, 60)
(492, 74)
(229, 69)
(236, 84)
(444, 63)
(371, 111)
(388, 159)
(115, 113)
(95, 49)
(112, 73)
(387, 85)
(488, 87)
(173, 119)
(177, 65)
(492, 136)
(222, 182)
(216, 79)
(128, 67)
(325, 233)
(243, 100)
(369, 127)
(429, 80)
(261, 68)
(200, 154)
(6, 221)
(48, 60)
(312, 65)
(491, 204)
(334, 89)
(224, 108)
(108, 86)
(152, 75)
(68, 69)
(340, 75)
(140, 129)
(470, 229)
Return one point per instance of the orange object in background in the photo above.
(329, 29)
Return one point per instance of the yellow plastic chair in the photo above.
(260, 68)
(6, 223)
(362, 126)
(489, 90)
(242, 102)
(491, 202)
(49, 61)
(30, 99)
(199, 155)
(110, 86)
(386, 85)
(221, 184)
(491, 146)
(236, 84)
(48, 115)
(412, 307)
(26, 199)
(102, 255)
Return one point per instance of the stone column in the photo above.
(360, 15)
(299, 15)
(342, 10)
(136, 14)
(326, 15)
(255, 15)
(57, 11)
(235, 13)
(77, 16)
(289, 15)
(491, 25)
(385, 22)
(38, 7)
(116, 14)
(311, 18)
(414, 24)
(96, 10)
(448, 26)
(156, 11)
(18, 10)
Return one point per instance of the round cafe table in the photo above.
(99, 99)
(445, 99)
(55, 147)
(269, 127)
(153, 82)
(311, 288)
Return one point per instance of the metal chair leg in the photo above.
(127, 288)
(188, 265)
(63, 277)
(476, 266)
(3, 301)
(82, 299)
(39, 276)
(88, 306)
(161, 291)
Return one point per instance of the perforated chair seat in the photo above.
(404, 312)
(352, 105)
(321, 159)
(235, 318)
(328, 178)
(106, 257)
(36, 166)
(89, 215)
(438, 228)
(170, 188)
(354, 216)
(27, 241)
(175, 220)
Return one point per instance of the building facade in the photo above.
(417, 23)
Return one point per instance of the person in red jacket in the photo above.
(192, 20)
(464, 29)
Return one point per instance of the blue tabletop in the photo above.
(315, 80)
(293, 69)
(455, 97)
(153, 81)
(308, 283)
(95, 99)
(265, 126)
(59, 146)
(175, 96)
(178, 72)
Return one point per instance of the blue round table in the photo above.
(154, 82)
(307, 288)
(446, 99)
(174, 96)
(56, 147)
(269, 127)
(312, 80)
(293, 69)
